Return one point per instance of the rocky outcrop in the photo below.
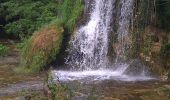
(42, 47)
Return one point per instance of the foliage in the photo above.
(23, 17)
(42, 47)
(45, 44)
(3, 50)
(58, 90)
(70, 11)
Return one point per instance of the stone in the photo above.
(136, 67)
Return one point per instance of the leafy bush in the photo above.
(3, 50)
(23, 17)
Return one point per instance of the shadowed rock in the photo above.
(136, 68)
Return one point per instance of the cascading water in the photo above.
(88, 54)
(90, 45)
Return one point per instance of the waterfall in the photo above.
(89, 48)
(88, 51)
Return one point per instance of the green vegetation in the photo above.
(58, 91)
(21, 18)
(165, 52)
(3, 50)
(70, 12)
(33, 21)
(163, 11)
(42, 47)
(150, 34)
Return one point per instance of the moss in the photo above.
(3, 50)
(42, 48)
(70, 12)
(165, 52)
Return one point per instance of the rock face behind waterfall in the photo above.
(136, 68)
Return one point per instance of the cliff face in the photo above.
(150, 36)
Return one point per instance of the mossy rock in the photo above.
(42, 47)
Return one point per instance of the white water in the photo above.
(88, 54)
(90, 45)
(97, 75)
(100, 75)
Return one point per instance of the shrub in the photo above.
(3, 50)
(70, 11)
(23, 17)
(42, 47)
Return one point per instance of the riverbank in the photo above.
(14, 86)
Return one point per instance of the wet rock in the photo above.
(136, 67)
(168, 77)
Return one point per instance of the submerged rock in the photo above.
(136, 67)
